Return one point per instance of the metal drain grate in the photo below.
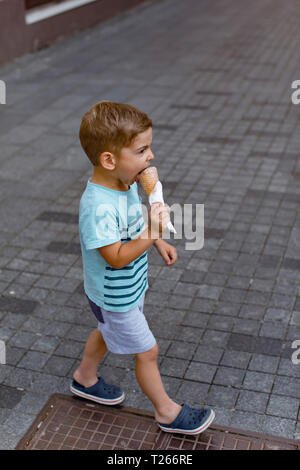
(70, 423)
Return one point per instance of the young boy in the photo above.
(114, 240)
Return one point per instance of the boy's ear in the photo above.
(107, 160)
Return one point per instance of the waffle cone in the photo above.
(149, 178)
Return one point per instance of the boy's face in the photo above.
(135, 158)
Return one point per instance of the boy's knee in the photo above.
(150, 355)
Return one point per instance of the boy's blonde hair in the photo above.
(109, 126)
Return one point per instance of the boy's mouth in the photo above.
(137, 176)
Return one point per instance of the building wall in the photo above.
(18, 38)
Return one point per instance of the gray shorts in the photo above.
(124, 332)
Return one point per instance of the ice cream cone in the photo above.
(148, 179)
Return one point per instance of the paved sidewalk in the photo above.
(215, 77)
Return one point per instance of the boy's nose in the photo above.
(151, 156)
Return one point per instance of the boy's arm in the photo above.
(119, 255)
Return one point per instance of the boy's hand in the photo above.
(167, 251)
(158, 219)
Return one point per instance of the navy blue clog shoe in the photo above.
(101, 392)
(190, 421)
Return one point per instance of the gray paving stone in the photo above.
(27, 278)
(229, 376)
(8, 441)
(288, 368)
(203, 305)
(34, 360)
(246, 420)
(257, 298)
(59, 298)
(247, 327)
(233, 295)
(268, 346)
(72, 349)
(224, 397)
(45, 344)
(18, 423)
(64, 247)
(278, 426)
(227, 308)
(197, 319)
(173, 367)
(240, 342)
(58, 366)
(255, 402)
(232, 359)
(185, 288)
(21, 339)
(14, 320)
(16, 305)
(47, 384)
(278, 315)
(38, 294)
(258, 381)
(167, 331)
(35, 325)
(264, 363)
(262, 285)
(31, 402)
(16, 290)
(47, 281)
(179, 301)
(238, 282)
(181, 350)
(223, 416)
(295, 318)
(209, 354)
(18, 264)
(291, 263)
(201, 372)
(221, 322)
(20, 378)
(160, 285)
(77, 333)
(192, 392)
(297, 432)
(273, 331)
(252, 311)
(282, 301)
(297, 305)
(210, 292)
(38, 267)
(13, 355)
(55, 216)
(216, 338)
(9, 396)
(283, 406)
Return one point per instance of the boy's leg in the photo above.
(95, 349)
(149, 379)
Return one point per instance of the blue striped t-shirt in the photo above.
(105, 217)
